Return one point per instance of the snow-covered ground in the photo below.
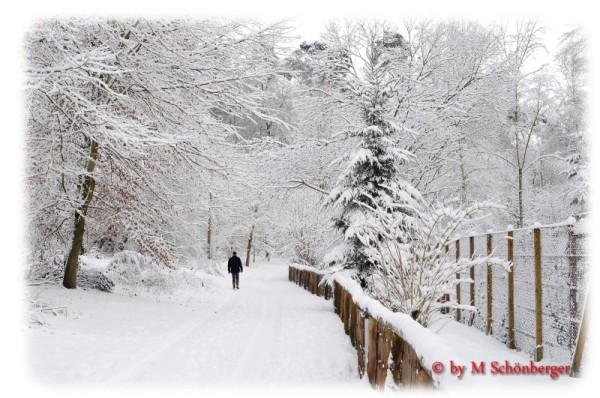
(268, 333)
(475, 346)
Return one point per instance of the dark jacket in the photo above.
(235, 265)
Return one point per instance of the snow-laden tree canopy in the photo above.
(187, 139)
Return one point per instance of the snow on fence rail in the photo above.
(384, 340)
(537, 307)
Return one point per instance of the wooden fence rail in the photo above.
(378, 346)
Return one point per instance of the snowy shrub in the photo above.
(132, 272)
(126, 267)
(52, 273)
(87, 279)
(95, 280)
(210, 267)
(45, 267)
(128, 272)
(412, 269)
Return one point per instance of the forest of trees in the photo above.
(185, 139)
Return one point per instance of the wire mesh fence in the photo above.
(535, 307)
(523, 270)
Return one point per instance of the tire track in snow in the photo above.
(149, 356)
(255, 336)
(252, 346)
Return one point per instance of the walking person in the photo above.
(234, 267)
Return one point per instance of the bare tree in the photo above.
(132, 101)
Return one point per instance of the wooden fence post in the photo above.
(353, 319)
(343, 307)
(489, 287)
(458, 315)
(372, 350)
(396, 365)
(573, 282)
(472, 276)
(383, 354)
(306, 276)
(539, 348)
(347, 307)
(581, 339)
(511, 290)
(339, 299)
(322, 288)
(319, 287)
(336, 298)
(359, 337)
(305, 279)
(341, 302)
(413, 374)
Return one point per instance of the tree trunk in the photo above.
(463, 172)
(89, 184)
(249, 247)
(209, 232)
(521, 212)
(70, 278)
(518, 161)
(208, 237)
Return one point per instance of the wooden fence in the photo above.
(378, 346)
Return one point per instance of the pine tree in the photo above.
(372, 179)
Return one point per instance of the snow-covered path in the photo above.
(269, 332)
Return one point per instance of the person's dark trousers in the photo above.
(235, 279)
